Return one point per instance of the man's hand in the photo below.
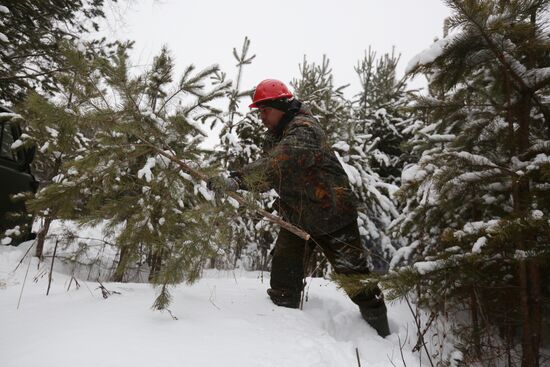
(220, 184)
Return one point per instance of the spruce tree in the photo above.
(477, 200)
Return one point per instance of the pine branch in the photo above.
(502, 59)
(199, 175)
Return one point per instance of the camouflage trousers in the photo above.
(343, 250)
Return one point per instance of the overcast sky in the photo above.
(281, 32)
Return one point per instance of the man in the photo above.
(314, 194)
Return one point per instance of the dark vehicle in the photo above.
(15, 178)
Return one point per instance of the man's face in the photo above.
(270, 116)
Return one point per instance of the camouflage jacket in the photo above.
(313, 188)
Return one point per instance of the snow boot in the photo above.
(284, 298)
(377, 318)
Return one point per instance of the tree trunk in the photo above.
(535, 301)
(42, 237)
(529, 277)
(528, 357)
(475, 323)
(156, 263)
(118, 276)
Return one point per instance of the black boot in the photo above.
(284, 298)
(377, 318)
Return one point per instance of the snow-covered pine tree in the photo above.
(56, 129)
(477, 201)
(379, 109)
(373, 150)
(144, 129)
(31, 40)
(315, 87)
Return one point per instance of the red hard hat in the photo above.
(269, 89)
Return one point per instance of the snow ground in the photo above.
(226, 319)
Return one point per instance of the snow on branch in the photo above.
(537, 77)
(403, 254)
(517, 67)
(431, 53)
(384, 202)
(441, 138)
(146, 170)
(6, 116)
(474, 228)
(424, 267)
(538, 161)
(471, 177)
(473, 159)
(540, 146)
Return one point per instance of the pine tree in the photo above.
(477, 199)
(315, 87)
(129, 177)
(380, 110)
(374, 150)
(57, 130)
(32, 34)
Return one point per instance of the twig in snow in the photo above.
(40, 275)
(51, 267)
(401, 346)
(89, 290)
(357, 354)
(171, 314)
(419, 332)
(77, 285)
(391, 361)
(24, 281)
(23, 258)
(210, 298)
(105, 292)
(421, 341)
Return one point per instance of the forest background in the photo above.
(452, 180)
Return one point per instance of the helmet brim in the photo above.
(255, 103)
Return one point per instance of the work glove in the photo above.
(220, 184)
